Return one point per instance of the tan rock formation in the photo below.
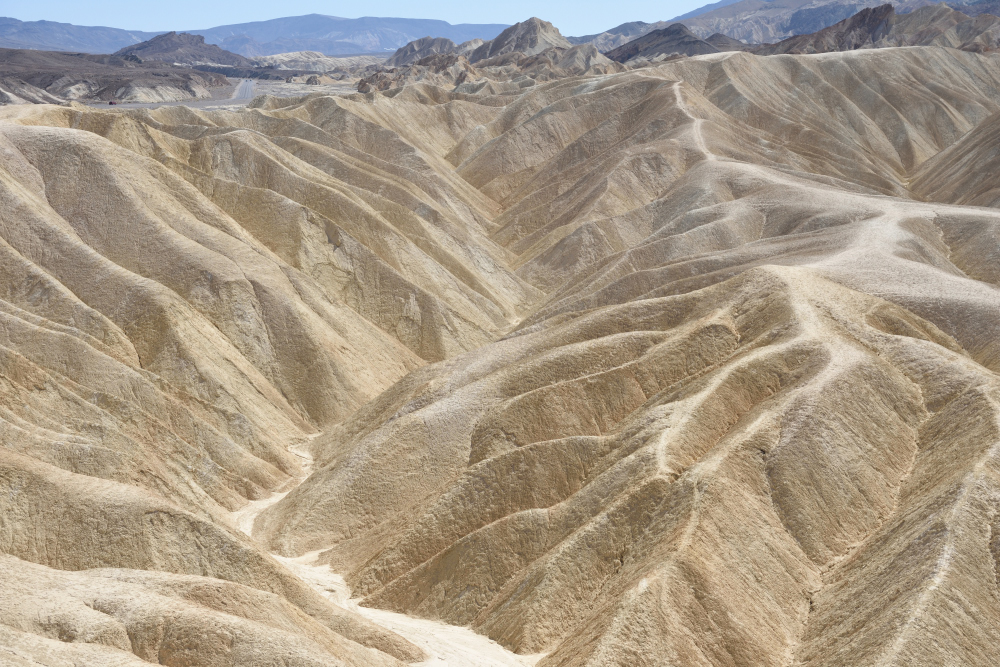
(727, 408)
(690, 364)
(530, 38)
(419, 49)
(504, 74)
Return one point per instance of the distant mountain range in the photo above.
(768, 21)
(52, 36)
(871, 28)
(315, 32)
(752, 21)
(332, 35)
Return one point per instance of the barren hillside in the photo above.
(693, 364)
(52, 77)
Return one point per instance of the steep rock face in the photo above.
(465, 48)
(771, 21)
(978, 7)
(939, 25)
(428, 47)
(16, 91)
(529, 38)
(558, 63)
(881, 27)
(507, 73)
(532, 49)
(865, 29)
(760, 21)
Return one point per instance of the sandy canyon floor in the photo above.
(695, 364)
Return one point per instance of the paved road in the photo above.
(240, 94)
(245, 90)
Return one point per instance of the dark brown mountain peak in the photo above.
(184, 48)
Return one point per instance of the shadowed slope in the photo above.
(674, 39)
(965, 172)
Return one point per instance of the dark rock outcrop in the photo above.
(674, 38)
(184, 48)
(45, 76)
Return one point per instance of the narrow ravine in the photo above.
(445, 645)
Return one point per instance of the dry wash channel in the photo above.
(694, 364)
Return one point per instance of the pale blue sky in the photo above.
(572, 18)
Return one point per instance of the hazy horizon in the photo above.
(570, 18)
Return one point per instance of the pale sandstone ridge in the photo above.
(692, 364)
(964, 173)
(184, 299)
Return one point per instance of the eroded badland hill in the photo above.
(694, 364)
